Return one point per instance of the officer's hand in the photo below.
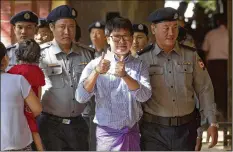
(103, 65)
(213, 133)
(120, 68)
(198, 144)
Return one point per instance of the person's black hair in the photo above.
(118, 23)
(2, 51)
(28, 51)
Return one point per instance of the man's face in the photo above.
(120, 41)
(140, 40)
(43, 35)
(24, 30)
(165, 33)
(97, 36)
(64, 31)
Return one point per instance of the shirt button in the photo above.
(185, 70)
(171, 86)
(168, 59)
(73, 99)
(69, 71)
(72, 86)
(52, 72)
(170, 71)
(173, 100)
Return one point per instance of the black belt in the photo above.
(169, 121)
(64, 120)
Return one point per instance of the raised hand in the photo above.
(120, 68)
(103, 65)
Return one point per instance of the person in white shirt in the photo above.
(216, 47)
(15, 91)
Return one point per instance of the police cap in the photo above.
(140, 28)
(97, 24)
(63, 11)
(42, 22)
(24, 16)
(163, 14)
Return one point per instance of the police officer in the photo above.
(98, 38)
(61, 125)
(44, 34)
(25, 27)
(140, 38)
(169, 119)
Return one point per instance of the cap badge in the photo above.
(140, 27)
(73, 12)
(176, 16)
(26, 16)
(97, 24)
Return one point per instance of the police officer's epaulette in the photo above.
(45, 45)
(188, 47)
(91, 50)
(86, 47)
(10, 47)
(146, 49)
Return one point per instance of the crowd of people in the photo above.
(121, 93)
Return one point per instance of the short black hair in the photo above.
(118, 23)
(2, 51)
(28, 51)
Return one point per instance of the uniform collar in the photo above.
(57, 48)
(176, 49)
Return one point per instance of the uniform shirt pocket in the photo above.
(184, 74)
(55, 77)
(77, 71)
(156, 75)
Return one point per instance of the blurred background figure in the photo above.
(44, 33)
(216, 47)
(140, 38)
(98, 38)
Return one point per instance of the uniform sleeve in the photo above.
(144, 92)
(25, 87)
(204, 89)
(81, 94)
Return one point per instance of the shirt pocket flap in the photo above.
(185, 68)
(155, 70)
(50, 71)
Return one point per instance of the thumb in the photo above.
(121, 58)
(102, 56)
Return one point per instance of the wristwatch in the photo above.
(215, 125)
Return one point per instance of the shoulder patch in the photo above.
(45, 45)
(85, 47)
(188, 47)
(10, 47)
(146, 49)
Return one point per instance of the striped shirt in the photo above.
(116, 106)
